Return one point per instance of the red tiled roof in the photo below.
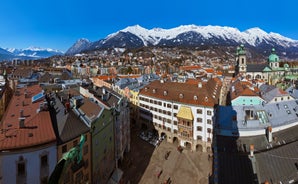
(174, 89)
(186, 68)
(90, 108)
(106, 77)
(38, 126)
(242, 88)
(282, 92)
(209, 70)
(193, 81)
(219, 72)
(129, 76)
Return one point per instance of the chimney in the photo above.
(269, 133)
(251, 149)
(200, 85)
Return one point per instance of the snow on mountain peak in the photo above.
(32, 48)
(252, 36)
(11, 49)
(83, 40)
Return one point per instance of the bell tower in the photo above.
(241, 60)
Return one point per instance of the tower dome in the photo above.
(273, 57)
(240, 50)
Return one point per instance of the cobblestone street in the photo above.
(148, 165)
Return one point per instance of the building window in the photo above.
(209, 130)
(175, 106)
(169, 105)
(79, 177)
(199, 120)
(175, 122)
(199, 128)
(199, 137)
(44, 161)
(209, 139)
(75, 143)
(209, 121)
(86, 178)
(21, 168)
(44, 180)
(64, 148)
(175, 131)
(86, 149)
(86, 163)
(209, 113)
(199, 111)
(242, 60)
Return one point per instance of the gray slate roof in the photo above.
(256, 67)
(68, 125)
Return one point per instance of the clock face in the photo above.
(242, 68)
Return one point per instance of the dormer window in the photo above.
(154, 90)
(180, 95)
(146, 89)
(165, 93)
(195, 97)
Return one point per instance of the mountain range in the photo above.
(191, 36)
(28, 53)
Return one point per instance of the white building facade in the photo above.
(185, 116)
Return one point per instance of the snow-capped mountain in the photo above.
(252, 37)
(35, 52)
(192, 35)
(28, 53)
(79, 46)
(4, 54)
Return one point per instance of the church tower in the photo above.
(241, 60)
(273, 60)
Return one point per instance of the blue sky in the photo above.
(58, 24)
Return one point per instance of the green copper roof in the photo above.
(273, 57)
(267, 69)
(241, 50)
